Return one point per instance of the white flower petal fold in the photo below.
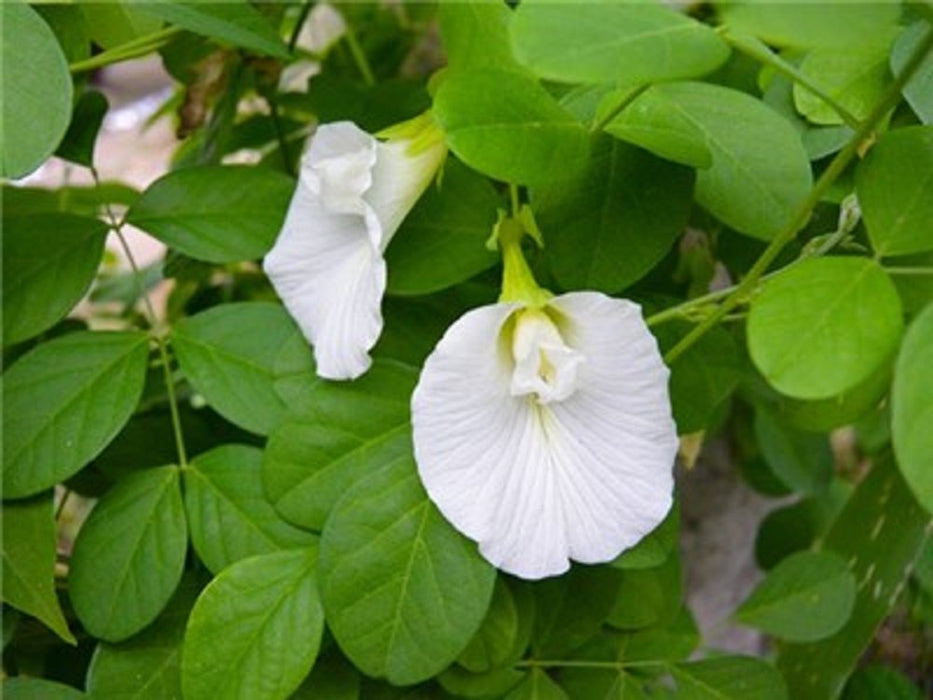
(547, 435)
(327, 264)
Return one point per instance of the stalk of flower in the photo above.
(542, 424)
(327, 263)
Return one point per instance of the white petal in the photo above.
(331, 279)
(398, 181)
(536, 485)
(338, 166)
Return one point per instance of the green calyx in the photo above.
(423, 133)
(518, 282)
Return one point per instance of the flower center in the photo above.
(544, 364)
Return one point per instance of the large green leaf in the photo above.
(148, 666)
(256, 629)
(729, 678)
(229, 516)
(601, 42)
(854, 76)
(912, 408)
(49, 261)
(27, 688)
(29, 562)
(129, 555)
(491, 647)
(443, 240)
(655, 547)
(217, 213)
(807, 596)
(64, 401)
(476, 35)
(116, 22)
(36, 102)
(233, 354)
(919, 89)
(760, 172)
(537, 685)
(824, 325)
(648, 597)
(233, 21)
(507, 126)
(608, 225)
(879, 534)
(894, 183)
(389, 563)
(845, 23)
(338, 433)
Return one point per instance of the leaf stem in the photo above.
(359, 56)
(627, 99)
(888, 101)
(131, 49)
(759, 51)
(117, 227)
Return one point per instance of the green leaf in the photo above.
(802, 461)
(256, 629)
(384, 525)
(507, 126)
(760, 172)
(49, 261)
(876, 681)
(648, 597)
(824, 325)
(571, 608)
(234, 21)
(879, 534)
(64, 401)
(537, 686)
(493, 643)
(229, 516)
(728, 678)
(25, 688)
(216, 213)
(234, 354)
(854, 76)
(811, 24)
(37, 90)
(919, 89)
(78, 144)
(476, 35)
(609, 224)
(655, 547)
(807, 596)
(29, 562)
(702, 378)
(656, 127)
(607, 42)
(334, 437)
(442, 242)
(129, 555)
(893, 185)
(912, 410)
(461, 683)
(117, 22)
(148, 666)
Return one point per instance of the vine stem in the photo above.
(296, 32)
(891, 97)
(131, 49)
(359, 56)
(116, 226)
(909, 270)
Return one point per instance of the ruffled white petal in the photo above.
(327, 264)
(537, 484)
(331, 280)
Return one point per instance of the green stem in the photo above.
(279, 132)
(296, 32)
(131, 49)
(890, 99)
(760, 52)
(909, 270)
(626, 100)
(117, 227)
(359, 56)
(513, 197)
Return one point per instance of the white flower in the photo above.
(545, 432)
(327, 264)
